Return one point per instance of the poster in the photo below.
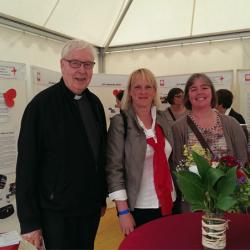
(243, 78)
(43, 78)
(103, 86)
(12, 104)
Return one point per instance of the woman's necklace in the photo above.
(205, 129)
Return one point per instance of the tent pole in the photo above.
(117, 25)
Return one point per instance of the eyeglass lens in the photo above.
(77, 64)
(179, 96)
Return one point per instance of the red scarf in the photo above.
(162, 176)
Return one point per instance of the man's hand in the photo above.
(34, 238)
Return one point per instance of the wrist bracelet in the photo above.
(123, 212)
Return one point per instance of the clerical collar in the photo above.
(70, 94)
(77, 97)
(81, 96)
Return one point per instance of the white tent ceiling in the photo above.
(113, 23)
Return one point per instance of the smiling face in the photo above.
(142, 92)
(200, 94)
(77, 79)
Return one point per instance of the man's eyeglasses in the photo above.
(75, 64)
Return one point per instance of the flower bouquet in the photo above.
(215, 187)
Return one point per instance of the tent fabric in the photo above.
(145, 20)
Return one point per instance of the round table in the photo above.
(183, 231)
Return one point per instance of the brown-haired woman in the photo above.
(222, 133)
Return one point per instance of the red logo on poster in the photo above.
(14, 70)
(9, 96)
(247, 77)
(162, 83)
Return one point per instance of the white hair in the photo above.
(75, 45)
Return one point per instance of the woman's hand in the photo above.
(127, 223)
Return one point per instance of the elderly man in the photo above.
(60, 178)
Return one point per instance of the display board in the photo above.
(103, 86)
(43, 78)
(12, 103)
(243, 78)
(220, 79)
(13, 100)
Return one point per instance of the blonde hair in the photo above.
(145, 74)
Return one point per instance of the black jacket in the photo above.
(237, 116)
(56, 168)
(240, 119)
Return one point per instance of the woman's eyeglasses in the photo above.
(179, 96)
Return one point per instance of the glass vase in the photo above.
(214, 228)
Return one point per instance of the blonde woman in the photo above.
(139, 145)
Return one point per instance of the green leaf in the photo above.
(227, 184)
(197, 207)
(202, 165)
(213, 194)
(225, 203)
(213, 175)
(191, 186)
